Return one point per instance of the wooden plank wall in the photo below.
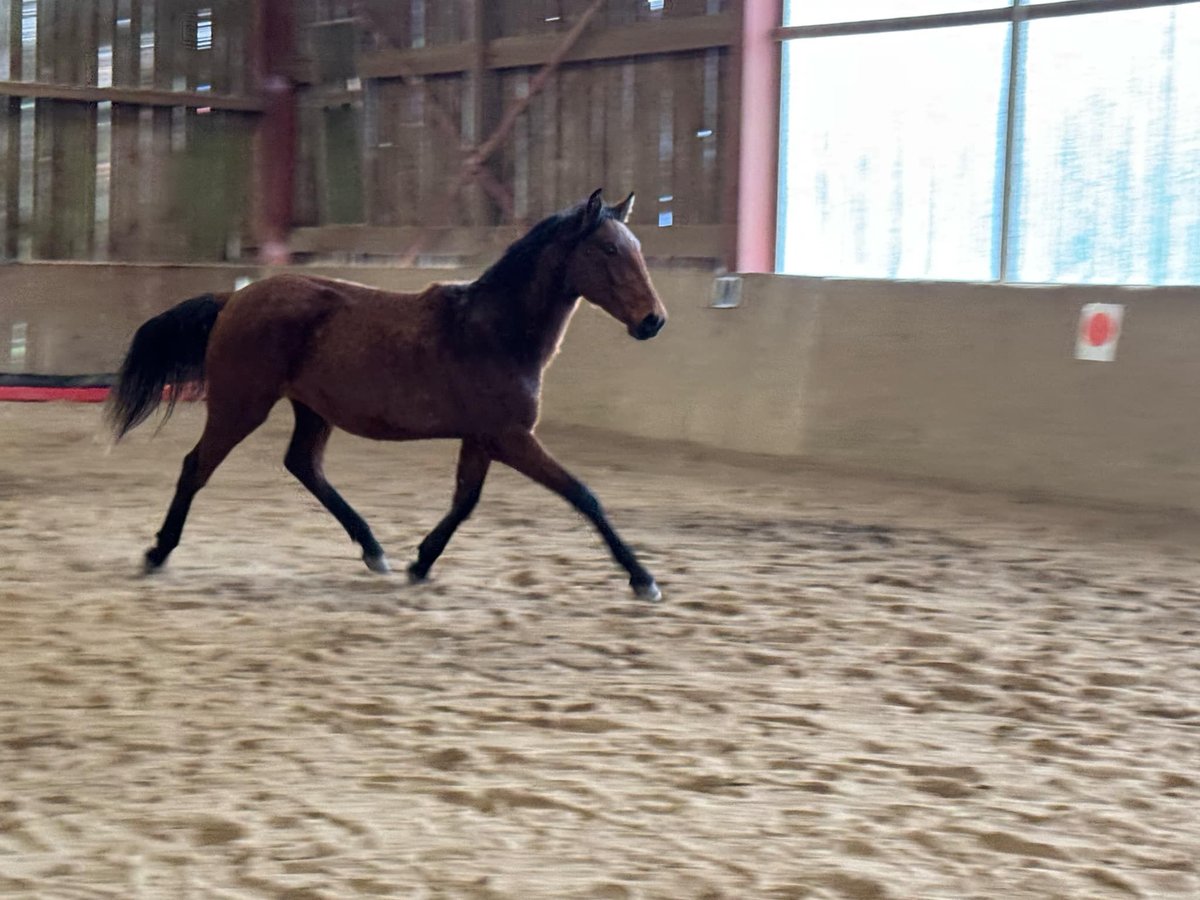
(373, 153)
(100, 162)
(125, 178)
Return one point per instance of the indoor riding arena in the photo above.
(914, 461)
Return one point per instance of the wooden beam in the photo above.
(684, 241)
(373, 240)
(681, 35)
(131, 96)
(331, 98)
(10, 166)
(440, 59)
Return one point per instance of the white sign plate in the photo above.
(1099, 330)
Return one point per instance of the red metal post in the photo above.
(275, 142)
(758, 152)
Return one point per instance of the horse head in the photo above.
(606, 268)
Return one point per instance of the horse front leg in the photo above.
(524, 453)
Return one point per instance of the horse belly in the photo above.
(411, 396)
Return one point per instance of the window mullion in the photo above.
(1010, 128)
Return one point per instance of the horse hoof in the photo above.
(415, 575)
(151, 563)
(648, 591)
(378, 563)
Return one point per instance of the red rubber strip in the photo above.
(44, 394)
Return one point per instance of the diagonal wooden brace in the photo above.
(444, 122)
(474, 163)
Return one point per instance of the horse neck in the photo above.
(543, 307)
(547, 318)
(521, 310)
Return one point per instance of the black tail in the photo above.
(167, 353)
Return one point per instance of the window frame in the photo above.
(1015, 13)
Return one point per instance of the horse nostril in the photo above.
(651, 325)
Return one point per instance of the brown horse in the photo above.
(458, 361)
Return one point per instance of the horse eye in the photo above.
(610, 249)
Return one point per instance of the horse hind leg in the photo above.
(473, 463)
(304, 459)
(222, 432)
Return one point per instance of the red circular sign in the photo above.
(1099, 329)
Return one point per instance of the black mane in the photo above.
(515, 269)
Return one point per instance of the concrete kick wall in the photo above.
(974, 384)
(971, 384)
(79, 317)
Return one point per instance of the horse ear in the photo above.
(594, 209)
(624, 209)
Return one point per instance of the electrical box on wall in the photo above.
(727, 292)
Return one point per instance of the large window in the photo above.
(1031, 146)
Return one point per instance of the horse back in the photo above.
(276, 324)
(375, 363)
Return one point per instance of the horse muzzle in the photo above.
(648, 327)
